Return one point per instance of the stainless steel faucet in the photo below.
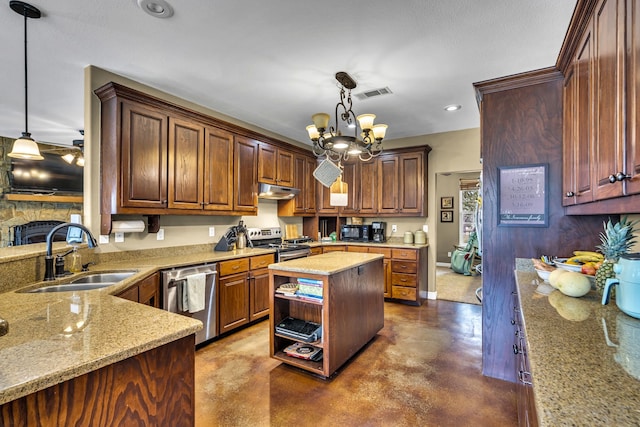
(49, 273)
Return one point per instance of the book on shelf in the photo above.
(312, 282)
(315, 291)
(306, 297)
(304, 351)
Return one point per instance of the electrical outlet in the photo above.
(119, 237)
(103, 239)
(212, 231)
(425, 228)
(160, 234)
(394, 228)
(449, 254)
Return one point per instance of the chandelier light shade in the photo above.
(330, 142)
(25, 147)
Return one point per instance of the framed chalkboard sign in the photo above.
(523, 196)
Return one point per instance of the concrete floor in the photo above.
(422, 369)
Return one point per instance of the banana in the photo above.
(581, 259)
(589, 253)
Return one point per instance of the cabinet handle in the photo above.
(620, 176)
(521, 375)
(513, 322)
(515, 349)
(570, 194)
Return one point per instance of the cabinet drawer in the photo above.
(402, 279)
(316, 250)
(410, 267)
(400, 292)
(362, 249)
(261, 261)
(404, 254)
(384, 251)
(234, 266)
(340, 248)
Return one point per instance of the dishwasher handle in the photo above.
(183, 273)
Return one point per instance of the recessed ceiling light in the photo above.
(156, 8)
(453, 107)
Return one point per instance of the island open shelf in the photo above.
(350, 311)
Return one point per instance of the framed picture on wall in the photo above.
(446, 216)
(446, 202)
(523, 196)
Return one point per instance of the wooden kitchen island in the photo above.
(350, 311)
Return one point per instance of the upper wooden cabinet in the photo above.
(139, 177)
(304, 204)
(362, 180)
(246, 174)
(601, 155)
(218, 170)
(275, 165)
(186, 164)
(402, 180)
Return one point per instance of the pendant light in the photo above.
(25, 147)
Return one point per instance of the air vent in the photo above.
(372, 93)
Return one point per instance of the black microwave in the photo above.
(355, 233)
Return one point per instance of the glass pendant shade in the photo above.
(313, 132)
(321, 120)
(68, 158)
(80, 161)
(25, 148)
(379, 131)
(366, 121)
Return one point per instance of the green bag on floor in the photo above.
(461, 258)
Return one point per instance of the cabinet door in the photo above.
(351, 176)
(267, 163)
(323, 199)
(308, 187)
(186, 171)
(218, 170)
(633, 99)
(368, 187)
(411, 190)
(144, 157)
(568, 141)
(284, 168)
(609, 93)
(387, 184)
(130, 294)
(233, 308)
(149, 291)
(583, 137)
(246, 175)
(259, 293)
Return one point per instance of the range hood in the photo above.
(276, 192)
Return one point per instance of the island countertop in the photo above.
(326, 264)
(584, 357)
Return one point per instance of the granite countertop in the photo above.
(392, 242)
(326, 264)
(56, 336)
(584, 358)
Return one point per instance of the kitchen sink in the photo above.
(97, 278)
(87, 282)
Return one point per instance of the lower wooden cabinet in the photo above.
(243, 291)
(386, 263)
(146, 291)
(408, 271)
(152, 388)
(527, 415)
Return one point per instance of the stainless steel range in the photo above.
(272, 238)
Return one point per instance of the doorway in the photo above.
(454, 222)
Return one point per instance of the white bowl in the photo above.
(543, 274)
(570, 267)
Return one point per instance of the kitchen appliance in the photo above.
(379, 231)
(271, 238)
(174, 284)
(355, 233)
(627, 280)
(276, 192)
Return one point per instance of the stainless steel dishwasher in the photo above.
(173, 283)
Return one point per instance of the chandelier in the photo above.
(336, 146)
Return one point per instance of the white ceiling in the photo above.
(272, 63)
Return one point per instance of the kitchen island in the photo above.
(349, 307)
(584, 357)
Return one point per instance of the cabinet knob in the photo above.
(620, 176)
(515, 349)
(570, 194)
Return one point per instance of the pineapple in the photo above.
(616, 240)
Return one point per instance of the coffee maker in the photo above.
(378, 231)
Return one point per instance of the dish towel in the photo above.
(193, 295)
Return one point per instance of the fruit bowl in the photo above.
(571, 267)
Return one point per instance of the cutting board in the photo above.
(291, 231)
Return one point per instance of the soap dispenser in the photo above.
(76, 261)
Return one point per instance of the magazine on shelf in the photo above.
(312, 282)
